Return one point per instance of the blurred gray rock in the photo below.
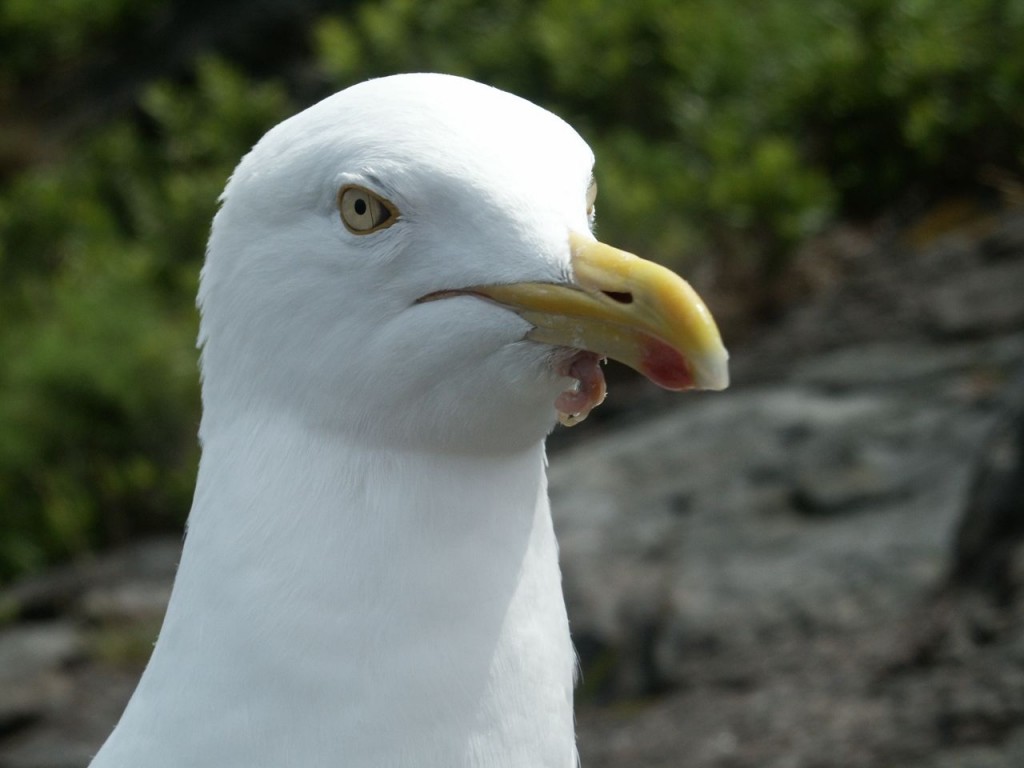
(59, 591)
(132, 601)
(986, 298)
(32, 662)
(735, 515)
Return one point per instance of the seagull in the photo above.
(402, 296)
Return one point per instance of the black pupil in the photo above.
(360, 206)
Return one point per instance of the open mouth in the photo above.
(620, 306)
(659, 362)
(589, 389)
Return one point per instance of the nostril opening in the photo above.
(623, 297)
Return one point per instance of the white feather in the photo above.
(370, 575)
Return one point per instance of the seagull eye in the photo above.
(364, 212)
(591, 197)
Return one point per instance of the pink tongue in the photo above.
(575, 404)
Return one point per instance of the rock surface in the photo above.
(757, 578)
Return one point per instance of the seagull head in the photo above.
(411, 262)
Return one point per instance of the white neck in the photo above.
(343, 607)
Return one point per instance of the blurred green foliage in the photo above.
(47, 33)
(99, 260)
(729, 127)
(743, 124)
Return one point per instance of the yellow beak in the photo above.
(625, 308)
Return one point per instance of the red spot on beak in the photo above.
(665, 366)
